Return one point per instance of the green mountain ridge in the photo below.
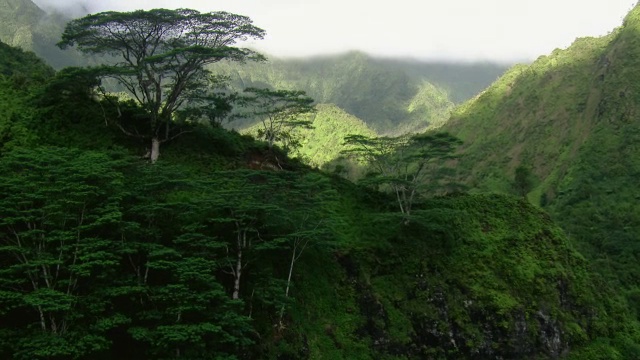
(392, 96)
(571, 118)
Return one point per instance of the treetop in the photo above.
(146, 33)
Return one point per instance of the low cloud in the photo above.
(465, 30)
(83, 7)
(71, 8)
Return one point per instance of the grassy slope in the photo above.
(598, 198)
(530, 115)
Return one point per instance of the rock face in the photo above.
(18, 18)
(477, 277)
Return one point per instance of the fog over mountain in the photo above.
(72, 8)
(466, 30)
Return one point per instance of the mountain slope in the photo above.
(323, 142)
(486, 290)
(20, 74)
(23, 24)
(18, 18)
(572, 119)
(531, 115)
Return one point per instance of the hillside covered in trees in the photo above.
(218, 245)
(567, 123)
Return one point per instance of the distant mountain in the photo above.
(14, 62)
(391, 96)
(573, 120)
(23, 24)
(18, 19)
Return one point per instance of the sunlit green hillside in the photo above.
(535, 115)
(571, 118)
(323, 142)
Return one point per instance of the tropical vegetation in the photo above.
(507, 232)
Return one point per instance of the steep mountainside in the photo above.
(487, 290)
(25, 25)
(571, 118)
(18, 20)
(535, 116)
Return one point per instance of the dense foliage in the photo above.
(20, 74)
(226, 248)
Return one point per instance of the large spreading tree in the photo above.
(159, 56)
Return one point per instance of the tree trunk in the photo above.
(293, 261)
(286, 292)
(155, 150)
(241, 242)
(43, 322)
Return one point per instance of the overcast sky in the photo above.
(469, 30)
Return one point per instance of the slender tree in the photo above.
(402, 163)
(235, 204)
(279, 112)
(160, 56)
(310, 204)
